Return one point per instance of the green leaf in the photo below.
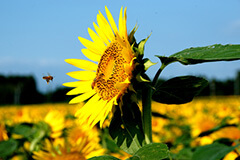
(179, 90)
(8, 147)
(153, 151)
(23, 129)
(185, 153)
(104, 158)
(218, 127)
(214, 151)
(42, 130)
(194, 55)
(126, 126)
(108, 143)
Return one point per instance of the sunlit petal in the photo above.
(111, 20)
(83, 64)
(103, 24)
(82, 88)
(96, 39)
(82, 97)
(120, 24)
(90, 45)
(91, 55)
(101, 34)
(82, 75)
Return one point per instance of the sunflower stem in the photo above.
(147, 106)
(147, 113)
(154, 83)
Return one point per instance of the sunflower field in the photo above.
(51, 131)
(119, 112)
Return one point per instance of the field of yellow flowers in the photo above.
(50, 131)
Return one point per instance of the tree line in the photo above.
(22, 90)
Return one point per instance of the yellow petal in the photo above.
(82, 88)
(94, 117)
(111, 20)
(56, 134)
(101, 34)
(82, 97)
(91, 55)
(86, 110)
(105, 112)
(82, 75)
(125, 24)
(120, 24)
(75, 84)
(96, 39)
(104, 25)
(83, 64)
(127, 51)
(90, 45)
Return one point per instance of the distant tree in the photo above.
(237, 84)
(19, 90)
(59, 95)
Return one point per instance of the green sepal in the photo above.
(139, 78)
(131, 38)
(147, 64)
(141, 46)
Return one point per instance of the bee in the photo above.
(48, 78)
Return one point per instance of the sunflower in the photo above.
(81, 143)
(106, 78)
(56, 121)
(3, 132)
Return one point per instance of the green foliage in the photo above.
(179, 90)
(8, 147)
(153, 151)
(24, 129)
(126, 126)
(210, 53)
(214, 151)
(184, 154)
(218, 127)
(34, 133)
(104, 158)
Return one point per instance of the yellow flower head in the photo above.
(56, 121)
(106, 82)
(81, 143)
(3, 132)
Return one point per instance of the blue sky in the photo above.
(36, 36)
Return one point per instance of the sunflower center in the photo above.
(111, 72)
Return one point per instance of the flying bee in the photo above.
(48, 78)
